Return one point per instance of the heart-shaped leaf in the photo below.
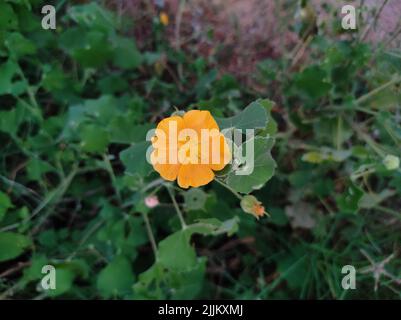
(252, 171)
(254, 116)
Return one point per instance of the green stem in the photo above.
(52, 200)
(339, 130)
(363, 174)
(358, 108)
(150, 234)
(367, 96)
(152, 184)
(88, 234)
(177, 208)
(30, 91)
(362, 135)
(229, 188)
(113, 178)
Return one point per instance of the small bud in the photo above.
(164, 19)
(159, 66)
(391, 162)
(253, 206)
(151, 201)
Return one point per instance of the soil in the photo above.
(247, 31)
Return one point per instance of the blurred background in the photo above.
(76, 192)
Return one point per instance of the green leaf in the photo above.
(98, 111)
(34, 271)
(122, 130)
(160, 283)
(293, 266)
(177, 266)
(66, 273)
(12, 245)
(92, 16)
(386, 99)
(90, 48)
(213, 226)
(116, 279)
(349, 200)
(8, 19)
(262, 163)
(25, 3)
(204, 84)
(312, 83)
(112, 84)
(278, 216)
(18, 45)
(53, 78)
(370, 200)
(332, 131)
(268, 70)
(64, 280)
(37, 167)
(11, 120)
(126, 54)
(8, 85)
(5, 204)
(176, 253)
(123, 235)
(94, 139)
(388, 121)
(134, 159)
(271, 126)
(254, 116)
(195, 199)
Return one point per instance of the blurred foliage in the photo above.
(76, 104)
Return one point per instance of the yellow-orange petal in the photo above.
(168, 126)
(194, 175)
(220, 146)
(259, 210)
(198, 120)
(168, 172)
(164, 19)
(164, 124)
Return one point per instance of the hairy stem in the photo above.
(150, 234)
(177, 208)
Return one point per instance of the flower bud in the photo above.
(253, 206)
(391, 162)
(151, 201)
(164, 19)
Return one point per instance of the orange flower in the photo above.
(250, 204)
(189, 148)
(258, 210)
(164, 19)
